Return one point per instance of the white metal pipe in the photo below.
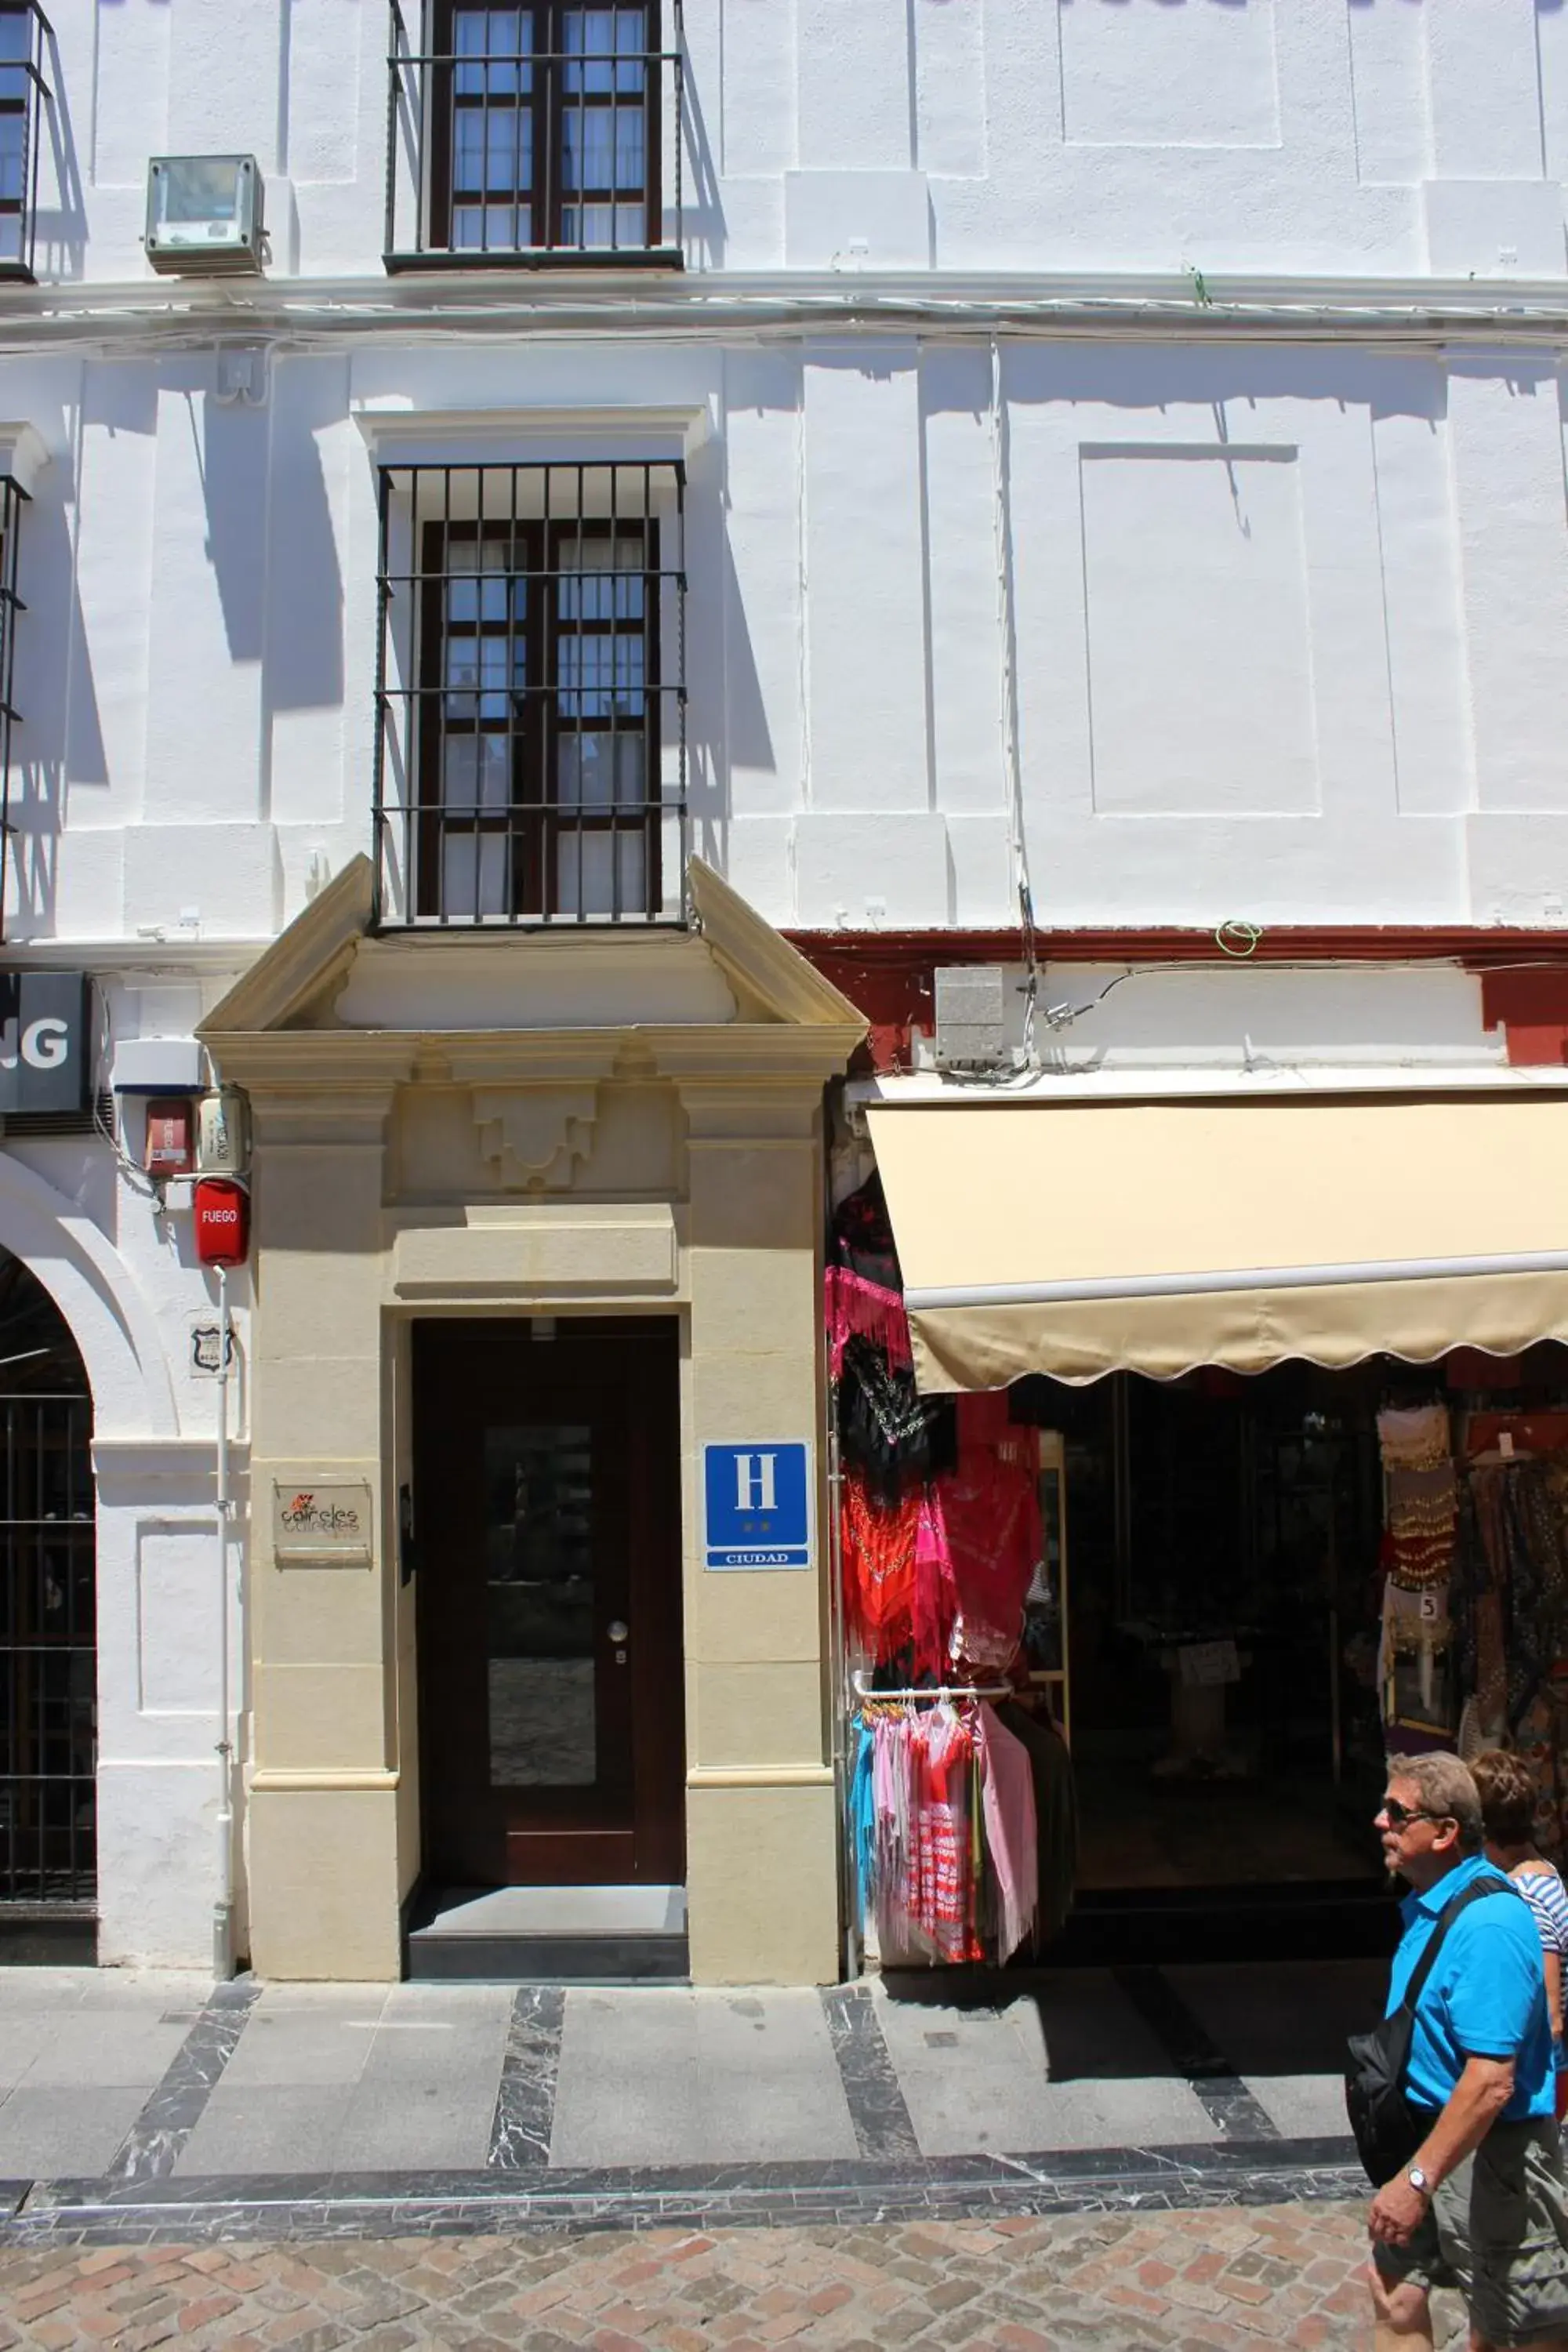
(223, 1910)
(938, 1691)
(1247, 1277)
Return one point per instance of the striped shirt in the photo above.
(1548, 1898)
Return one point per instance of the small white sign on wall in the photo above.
(321, 1523)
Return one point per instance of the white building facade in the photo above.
(933, 462)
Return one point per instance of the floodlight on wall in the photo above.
(203, 214)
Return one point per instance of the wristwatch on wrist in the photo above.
(1419, 2181)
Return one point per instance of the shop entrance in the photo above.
(1222, 1623)
(548, 1516)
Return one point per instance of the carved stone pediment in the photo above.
(535, 1135)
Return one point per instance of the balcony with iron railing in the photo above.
(533, 136)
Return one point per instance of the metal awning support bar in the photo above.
(1250, 1277)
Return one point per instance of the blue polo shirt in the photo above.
(1486, 1998)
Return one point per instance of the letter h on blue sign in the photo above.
(758, 1505)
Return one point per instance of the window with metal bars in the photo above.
(48, 1592)
(532, 132)
(531, 749)
(13, 499)
(24, 38)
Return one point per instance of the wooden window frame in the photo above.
(547, 103)
(536, 821)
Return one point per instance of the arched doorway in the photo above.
(49, 1656)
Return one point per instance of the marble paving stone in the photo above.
(677, 2075)
(42, 1992)
(164, 2123)
(1300, 2105)
(1290, 2017)
(524, 2113)
(771, 2079)
(89, 2047)
(426, 2093)
(263, 2128)
(303, 2035)
(23, 2039)
(1137, 2180)
(182, 1989)
(1022, 2077)
(876, 2108)
(55, 2129)
(1194, 2054)
(393, 2124)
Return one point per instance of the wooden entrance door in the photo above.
(548, 1518)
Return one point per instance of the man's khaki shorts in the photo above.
(1498, 2231)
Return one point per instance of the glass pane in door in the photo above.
(540, 1615)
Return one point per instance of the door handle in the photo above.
(617, 1631)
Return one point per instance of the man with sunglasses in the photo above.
(1482, 2206)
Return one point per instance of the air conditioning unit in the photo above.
(971, 1017)
(204, 215)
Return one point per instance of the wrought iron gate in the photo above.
(48, 1652)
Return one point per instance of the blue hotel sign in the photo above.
(756, 1504)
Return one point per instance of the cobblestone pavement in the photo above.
(1214, 2281)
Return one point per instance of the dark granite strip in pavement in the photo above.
(1099, 2180)
(525, 2100)
(1225, 2098)
(151, 2148)
(871, 2086)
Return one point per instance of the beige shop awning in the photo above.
(1081, 1239)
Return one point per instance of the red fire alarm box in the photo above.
(223, 1221)
(170, 1136)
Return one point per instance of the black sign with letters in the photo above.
(45, 1056)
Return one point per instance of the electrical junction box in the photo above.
(170, 1136)
(223, 1133)
(205, 215)
(156, 1066)
(971, 1017)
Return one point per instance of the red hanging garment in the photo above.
(879, 1542)
(986, 1521)
(944, 1895)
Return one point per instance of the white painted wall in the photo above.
(1285, 630)
(1047, 134)
(1280, 630)
(126, 1282)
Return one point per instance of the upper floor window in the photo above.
(23, 32)
(531, 740)
(532, 133)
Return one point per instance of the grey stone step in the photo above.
(580, 1935)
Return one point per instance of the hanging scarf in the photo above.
(856, 1308)
(882, 1429)
(878, 1544)
(1012, 1830)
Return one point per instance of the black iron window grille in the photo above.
(24, 93)
(533, 133)
(530, 695)
(13, 497)
(47, 1651)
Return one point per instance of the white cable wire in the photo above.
(136, 1177)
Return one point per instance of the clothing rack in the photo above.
(943, 1690)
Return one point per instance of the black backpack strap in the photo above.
(1475, 1892)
